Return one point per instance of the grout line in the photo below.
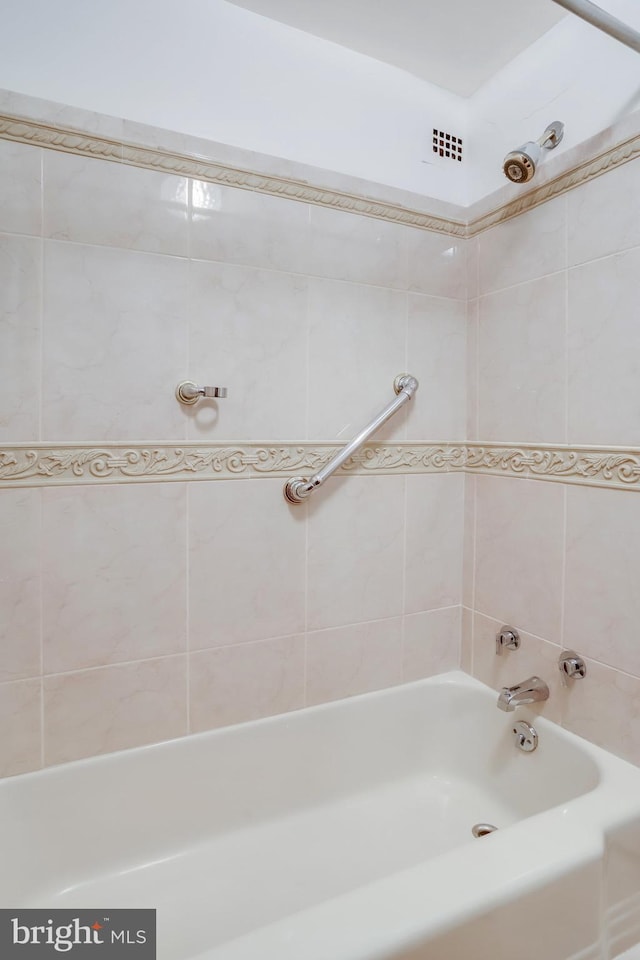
(419, 613)
(41, 620)
(605, 256)
(188, 604)
(189, 217)
(40, 401)
(188, 331)
(41, 302)
(463, 567)
(403, 607)
(42, 746)
(119, 663)
(240, 265)
(307, 506)
(520, 283)
(306, 605)
(307, 360)
(566, 321)
(474, 527)
(406, 413)
(476, 323)
(563, 584)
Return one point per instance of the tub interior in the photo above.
(253, 876)
(229, 831)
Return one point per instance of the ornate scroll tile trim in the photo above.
(48, 464)
(77, 142)
(28, 465)
(592, 466)
(153, 158)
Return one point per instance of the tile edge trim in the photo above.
(69, 140)
(49, 464)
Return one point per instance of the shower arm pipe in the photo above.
(604, 21)
(297, 489)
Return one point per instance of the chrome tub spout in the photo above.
(532, 690)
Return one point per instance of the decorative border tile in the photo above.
(67, 140)
(154, 158)
(592, 466)
(25, 465)
(35, 465)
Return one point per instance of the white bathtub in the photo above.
(343, 832)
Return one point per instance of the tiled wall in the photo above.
(554, 356)
(130, 613)
(135, 612)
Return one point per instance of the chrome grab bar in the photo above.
(297, 489)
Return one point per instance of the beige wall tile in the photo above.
(469, 542)
(529, 246)
(363, 249)
(248, 332)
(20, 188)
(473, 267)
(603, 214)
(604, 344)
(437, 264)
(519, 550)
(246, 682)
(115, 344)
(434, 541)
(471, 373)
(356, 659)
(436, 355)
(114, 574)
(431, 643)
(357, 346)
(522, 362)
(466, 641)
(247, 563)
(20, 584)
(97, 201)
(355, 550)
(113, 708)
(602, 599)
(20, 727)
(604, 707)
(237, 226)
(20, 337)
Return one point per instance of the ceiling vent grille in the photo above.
(446, 145)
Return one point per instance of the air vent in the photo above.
(446, 145)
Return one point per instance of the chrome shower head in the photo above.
(520, 164)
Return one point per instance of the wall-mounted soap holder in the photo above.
(507, 638)
(189, 392)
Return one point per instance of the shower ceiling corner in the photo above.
(454, 44)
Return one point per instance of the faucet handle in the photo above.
(507, 638)
(571, 665)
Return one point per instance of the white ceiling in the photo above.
(456, 44)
